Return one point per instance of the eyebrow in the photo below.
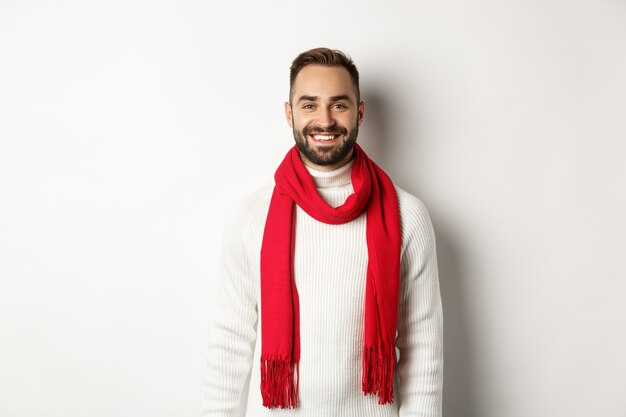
(333, 98)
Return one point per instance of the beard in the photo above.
(326, 155)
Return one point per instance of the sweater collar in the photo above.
(336, 178)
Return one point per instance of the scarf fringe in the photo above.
(378, 370)
(279, 382)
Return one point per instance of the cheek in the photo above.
(349, 120)
(301, 122)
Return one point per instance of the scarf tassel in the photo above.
(378, 370)
(279, 383)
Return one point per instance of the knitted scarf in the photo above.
(280, 325)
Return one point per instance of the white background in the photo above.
(129, 128)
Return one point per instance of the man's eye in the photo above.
(340, 106)
(307, 106)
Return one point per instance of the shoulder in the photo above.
(251, 205)
(257, 200)
(412, 209)
(249, 209)
(415, 220)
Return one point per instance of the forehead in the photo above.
(323, 81)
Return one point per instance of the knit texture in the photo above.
(330, 265)
(374, 194)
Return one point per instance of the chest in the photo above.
(330, 264)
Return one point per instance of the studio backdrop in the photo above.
(129, 129)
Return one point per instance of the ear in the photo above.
(361, 112)
(288, 114)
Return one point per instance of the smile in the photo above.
(324, 138)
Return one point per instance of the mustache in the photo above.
(330, 131)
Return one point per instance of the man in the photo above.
(339, 268)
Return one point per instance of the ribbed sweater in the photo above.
(330, 264)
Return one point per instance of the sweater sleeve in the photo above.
(420, 322)
(232, 333)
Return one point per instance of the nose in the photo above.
(326, 118)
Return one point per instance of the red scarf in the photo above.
(373, 192)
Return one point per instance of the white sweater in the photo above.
(330, 265)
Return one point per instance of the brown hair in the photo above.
(324, 56)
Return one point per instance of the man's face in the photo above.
(324, 115)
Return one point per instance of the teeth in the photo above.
(324, 137)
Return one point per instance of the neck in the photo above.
(335, 180)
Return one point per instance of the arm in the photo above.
(232, 333)
(420, 322)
